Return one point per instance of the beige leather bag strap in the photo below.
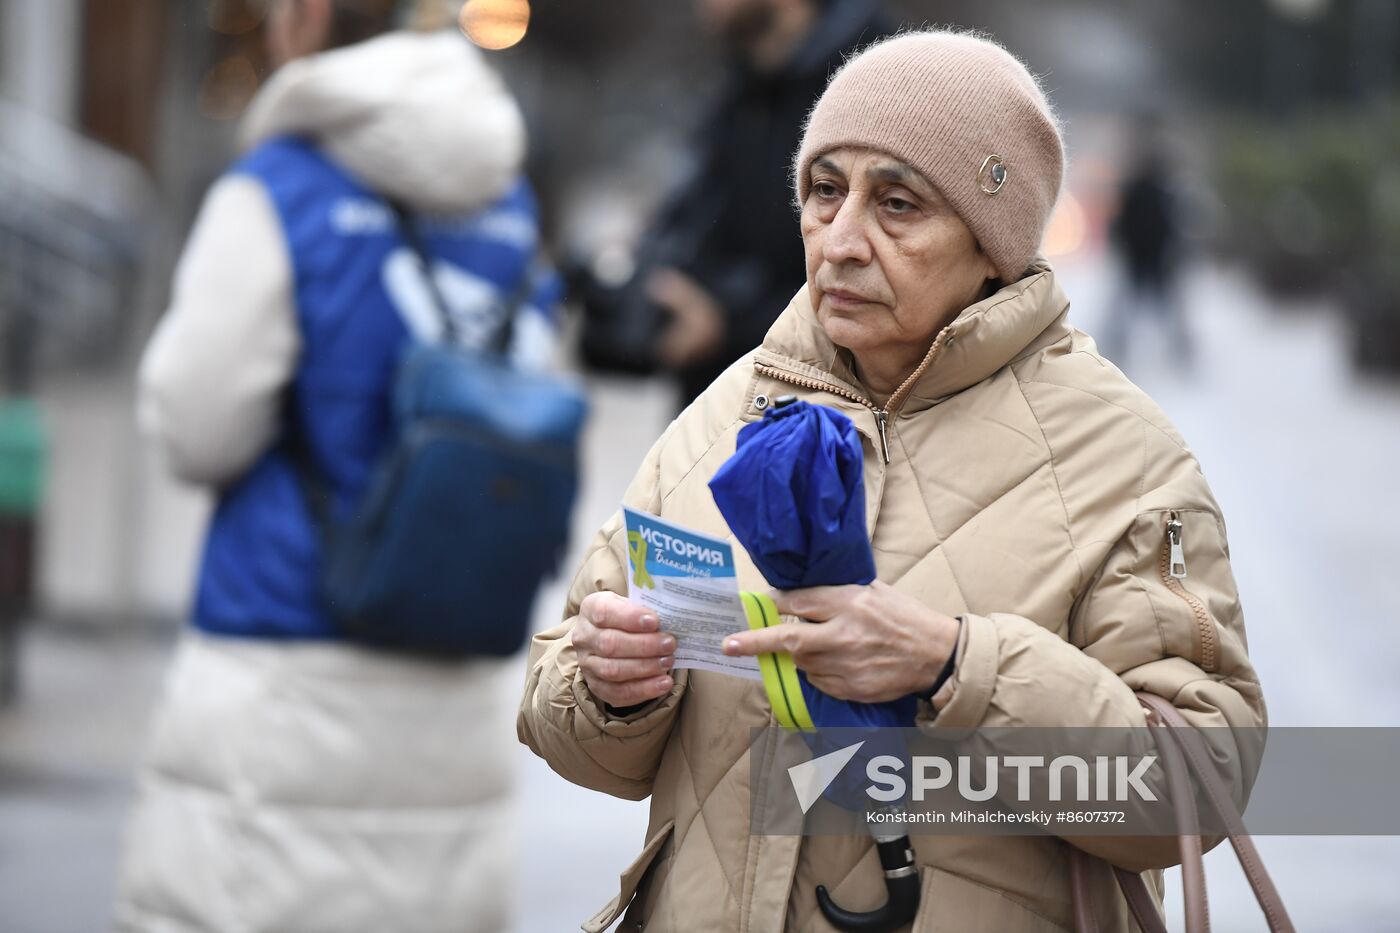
(1193, 869)
(1180, 757)
(1140, 902)
(1193, 875)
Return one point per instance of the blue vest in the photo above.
(360, 298)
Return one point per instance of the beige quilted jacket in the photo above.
(1028, 487)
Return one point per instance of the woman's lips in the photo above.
(843, 299)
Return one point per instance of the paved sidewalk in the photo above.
(66, 758)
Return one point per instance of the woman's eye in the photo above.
(825, 189)
(898, 205)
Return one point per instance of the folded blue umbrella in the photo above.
(794, 497)
(793, 494)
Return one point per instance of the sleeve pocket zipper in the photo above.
(1173, 571)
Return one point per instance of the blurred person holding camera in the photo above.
(723, 255)
(295, 781)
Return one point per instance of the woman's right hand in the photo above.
(623, 655)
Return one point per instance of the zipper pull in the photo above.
(882, 418)
(1177, 567)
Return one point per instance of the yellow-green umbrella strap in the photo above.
(779, 671)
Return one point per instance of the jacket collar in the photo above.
(981, 340)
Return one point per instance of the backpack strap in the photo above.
(409, 231)
(310, 477)
(500, 341)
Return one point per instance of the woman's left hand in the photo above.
(869, 643)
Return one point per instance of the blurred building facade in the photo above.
(101, 160)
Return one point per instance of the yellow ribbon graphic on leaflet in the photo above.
(637, 548)
(779, 672)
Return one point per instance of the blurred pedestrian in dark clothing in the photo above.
(1146, 234)
(724, 255)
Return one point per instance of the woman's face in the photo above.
(888, 260)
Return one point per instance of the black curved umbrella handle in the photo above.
(902, 883)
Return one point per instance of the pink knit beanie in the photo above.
(965, 113)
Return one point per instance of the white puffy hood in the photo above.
(419, 117)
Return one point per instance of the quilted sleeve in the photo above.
(1160, 614)
(559, 719)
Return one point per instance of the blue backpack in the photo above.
(468, 509)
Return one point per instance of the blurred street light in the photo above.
(1068, 228)
(495, 24)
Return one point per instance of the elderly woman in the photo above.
(1029, 509)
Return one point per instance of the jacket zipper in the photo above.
(817, 385)
(882, 418)
(882, 415)
(1173, 570)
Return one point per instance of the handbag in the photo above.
(467, 511)
(1181, 758)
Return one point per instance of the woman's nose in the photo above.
(847, 239)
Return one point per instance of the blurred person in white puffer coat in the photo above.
(293, 781)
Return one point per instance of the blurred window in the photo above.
(122, 57)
